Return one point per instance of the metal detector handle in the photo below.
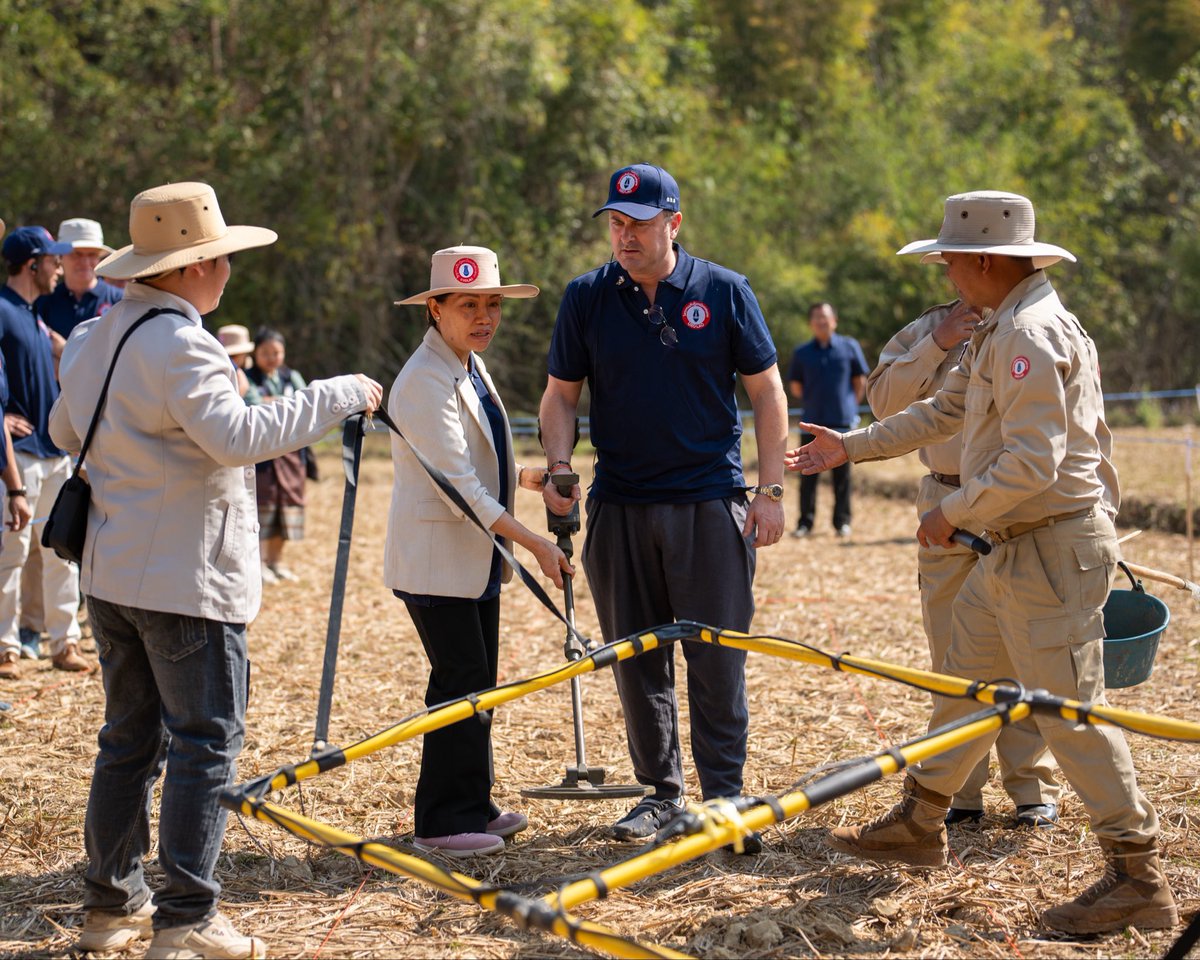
(968, 539)
(564, 526)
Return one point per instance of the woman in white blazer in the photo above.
(439, 562)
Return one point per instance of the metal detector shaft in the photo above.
(352, 439)
(571, 648)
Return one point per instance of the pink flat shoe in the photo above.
(507, 824)
(461, 844)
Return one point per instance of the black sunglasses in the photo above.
(666, 333)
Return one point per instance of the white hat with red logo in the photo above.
(988, 221)
(468, 270)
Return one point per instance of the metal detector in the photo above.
(581, 782)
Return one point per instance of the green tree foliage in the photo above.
(810, 142)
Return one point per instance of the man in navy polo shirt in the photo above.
(660, 337)
(81, 295)
(26, 344)
(829, 374)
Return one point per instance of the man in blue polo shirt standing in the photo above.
(32, 256)
(660, 337)
(829, 375)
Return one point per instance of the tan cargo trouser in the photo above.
(1032, 610)
(1026, 767)
(43, 478)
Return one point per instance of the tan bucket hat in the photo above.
(468, 270)
(235, 339)
(83, 234)
(988, 221)
(175, 225)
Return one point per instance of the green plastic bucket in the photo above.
(1133, 622)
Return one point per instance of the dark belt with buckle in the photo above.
(948, 479)
(1017, 529)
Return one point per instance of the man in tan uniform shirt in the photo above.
(1037, 477)
(913, 366)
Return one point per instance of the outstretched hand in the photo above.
(825, 452)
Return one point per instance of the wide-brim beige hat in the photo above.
(988, 221)
(468, 270)
(235, 339)
(175, 225)
(83, 234)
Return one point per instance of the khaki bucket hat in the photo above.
(468, 270)
(176, 225)
(988, 221)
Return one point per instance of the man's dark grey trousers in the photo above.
(653, 564)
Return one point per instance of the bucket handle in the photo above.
(1134, 583)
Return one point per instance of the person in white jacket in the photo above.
(170, 566)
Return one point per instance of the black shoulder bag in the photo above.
(66, 525)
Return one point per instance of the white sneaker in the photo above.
(214, 937)
(105, 932)
(268, 575)
(283, 573)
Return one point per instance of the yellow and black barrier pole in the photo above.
(527, 913)
(721, 823)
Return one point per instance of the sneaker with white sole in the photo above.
(646, 819)
(461, 844)
(282, 573)
(214, 938)
(105, 931)
(506, 824)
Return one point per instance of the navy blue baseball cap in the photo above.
(24, 243)
(641, 191)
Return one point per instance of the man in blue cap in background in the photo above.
(660, 337)
(29, 348)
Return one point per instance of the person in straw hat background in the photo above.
(237, 343)
(436, 560)
(1037, 477)
(171, 566)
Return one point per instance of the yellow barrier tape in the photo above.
(719, 825)
(528, 913)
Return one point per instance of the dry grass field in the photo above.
(795, 899)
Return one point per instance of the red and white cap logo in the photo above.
(627, 183)
(696, 315)
(1020, 368)
(466, 270)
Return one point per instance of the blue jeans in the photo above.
(175, 695)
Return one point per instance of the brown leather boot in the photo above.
(8, 665)
(912, 832)
(69, 659)
(1133, 892)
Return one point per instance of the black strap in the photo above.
(87, 441)
(1181, 947)
(456, 498)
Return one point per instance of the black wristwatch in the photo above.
(18, 492)
(772, 491)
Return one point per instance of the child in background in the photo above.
(280, 482)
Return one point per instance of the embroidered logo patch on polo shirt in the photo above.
(1020, 368)
(627, 183)
(466, 270)
(696, 315)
